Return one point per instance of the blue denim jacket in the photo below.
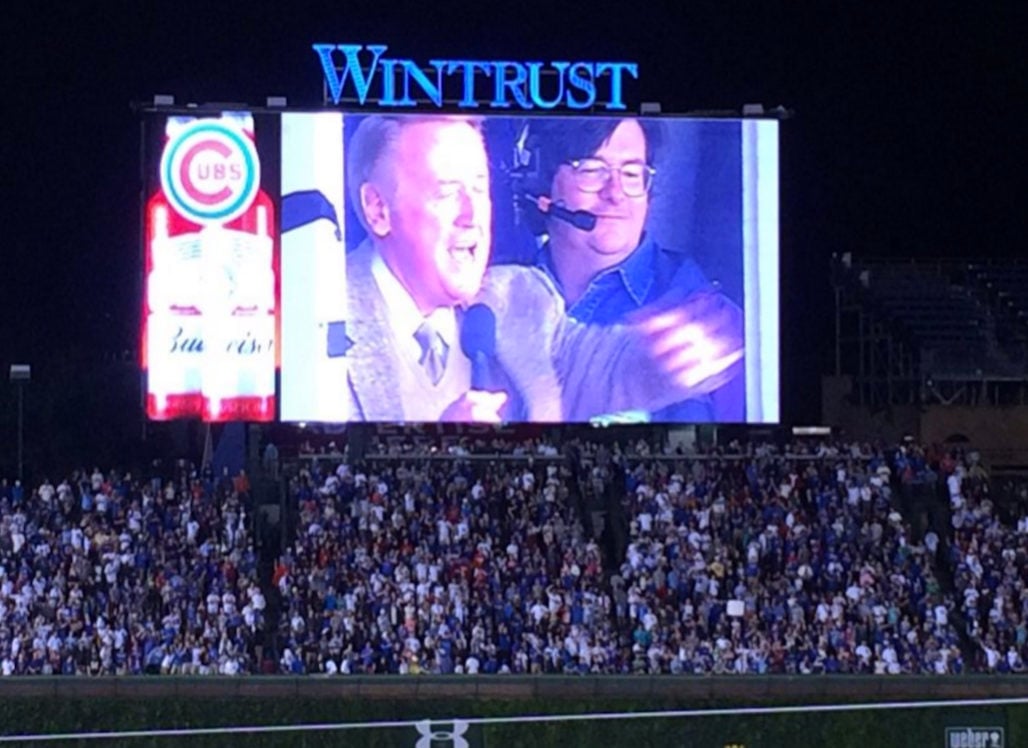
(643, 277)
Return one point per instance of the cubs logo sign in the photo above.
(210, 171)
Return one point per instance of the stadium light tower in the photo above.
(20, 374)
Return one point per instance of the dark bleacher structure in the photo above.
(1004, 287)
(935, 349)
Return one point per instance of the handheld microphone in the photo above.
(478, 341)
(580, 219)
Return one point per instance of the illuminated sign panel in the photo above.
(340, 267)
(209, 336)
(372, 77)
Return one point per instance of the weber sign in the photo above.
(975, 737)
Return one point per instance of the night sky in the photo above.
(906, 139)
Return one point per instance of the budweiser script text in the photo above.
(247, 345)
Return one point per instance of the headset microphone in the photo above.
(580, 219)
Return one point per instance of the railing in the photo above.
(504, 457)
(749, 688)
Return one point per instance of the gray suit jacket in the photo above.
(562, 369)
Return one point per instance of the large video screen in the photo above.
(426, 268)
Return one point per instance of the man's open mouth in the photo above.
(464, 251)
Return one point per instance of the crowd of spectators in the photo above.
(493, 556)
(782, 566)
(740, 560)
(441, 567)
(105, 574)
(989, 558)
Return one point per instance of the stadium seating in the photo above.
(535, 559)
(106, 575)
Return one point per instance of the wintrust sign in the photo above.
(373, 78)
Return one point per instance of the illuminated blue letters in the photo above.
(351, 68)
(574, 85)
(616, 69)
(467, 100)
(580, 76)
(503, 84)
(434, 91)
(534, 73)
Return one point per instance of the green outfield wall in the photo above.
(36, 706)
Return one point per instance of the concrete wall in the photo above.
(1001, 434)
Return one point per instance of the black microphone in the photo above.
(580, 219)
(478, 341)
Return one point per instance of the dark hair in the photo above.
(560, 140)
(554, 141)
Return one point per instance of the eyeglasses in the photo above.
(592, 175)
